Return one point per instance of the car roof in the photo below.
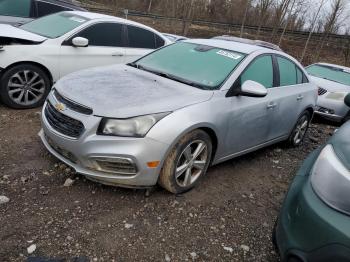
(97, 16)
(232, 46)
(336, 66)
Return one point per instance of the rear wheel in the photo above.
(298, 134)
(24, 86)
(187, 162)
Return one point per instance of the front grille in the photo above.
(321, 91)
(62, 123)
(66, 154)
(73, 105)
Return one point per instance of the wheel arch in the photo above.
(41, 66)
(311, 110)
(201, 126)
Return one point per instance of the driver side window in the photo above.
(103, 34)
(260, 70)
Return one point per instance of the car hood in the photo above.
(331, 86)
(121, 91)
(341, 144)
(12, 20)
(9, 31)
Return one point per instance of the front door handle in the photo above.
(117, 54)
(300, 97)
(271, 105)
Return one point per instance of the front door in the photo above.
(249, 119)
(106, 47)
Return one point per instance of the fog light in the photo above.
(326, 110)
(122, 166)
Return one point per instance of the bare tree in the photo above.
(332, 22)
(281, 9)
(247, 6)
(263, 13)
(346, 49)
(149, 6)
(312, 28)
(287, 22)
(187, 15)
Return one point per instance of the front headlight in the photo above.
(339, 96)
(131, 127)
(330, 180)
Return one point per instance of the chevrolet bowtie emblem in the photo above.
(60, 107)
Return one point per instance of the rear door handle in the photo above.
(271, 105)
(300, 97)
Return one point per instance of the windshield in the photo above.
(56, 25)
(20, 8)
(330, 73)
(202, 66)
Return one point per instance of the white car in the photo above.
(35, 55)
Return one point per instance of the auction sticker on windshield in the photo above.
(229, 54)
(77, 19)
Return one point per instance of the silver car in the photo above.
(334, 84)
(170, 115)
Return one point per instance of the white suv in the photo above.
(35, 55)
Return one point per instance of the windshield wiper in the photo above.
(332, 80)
(171, 77)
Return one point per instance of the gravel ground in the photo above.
(229, 217)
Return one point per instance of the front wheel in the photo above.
(187, 162)
(298, 134)
(24, 86)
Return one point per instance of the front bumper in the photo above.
(307, 228)
(81, 153)
(331, 109)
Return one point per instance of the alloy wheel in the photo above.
(26, 87)
(300, 129)
(191, 163)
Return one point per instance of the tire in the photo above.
(24, 86)
(301, 128)
(182, 159)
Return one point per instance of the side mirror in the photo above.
(80, 42)
(347, 100)
(253, 89)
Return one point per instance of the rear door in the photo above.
(106, 47)
(249, 116)
(140, 42)
(288, 97)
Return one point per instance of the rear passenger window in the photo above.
(141, 38)
(299, 76)
(261, 71)
(103, 34)
(47, 8)
(288, 72)
(159, 41)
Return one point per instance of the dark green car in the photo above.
(314, 223)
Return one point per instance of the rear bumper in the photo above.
(307, 228)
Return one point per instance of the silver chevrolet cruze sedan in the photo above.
(170, 115)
